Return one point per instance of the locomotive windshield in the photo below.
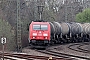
(36, 27)
(44, 27)
(40, 27)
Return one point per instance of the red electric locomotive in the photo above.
(39, 33)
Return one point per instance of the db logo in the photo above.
(3, 40)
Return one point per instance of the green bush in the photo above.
(83, 16)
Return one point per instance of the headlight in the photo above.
(45, 37)
(34, 34)
(33, 37)
(45, 34)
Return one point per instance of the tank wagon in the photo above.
(86, 31)
(44, 33)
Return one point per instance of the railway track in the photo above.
(52, 52)
(58, 54)
(78, 47)
(86, 51)
(28, 57)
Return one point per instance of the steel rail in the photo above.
(69, 55)
(29, 57)
(79, 49)
(59, 54)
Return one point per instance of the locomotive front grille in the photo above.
(40, 42)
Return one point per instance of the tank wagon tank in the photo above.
(86, 28)
(61, 32)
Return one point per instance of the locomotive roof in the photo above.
(40, 22)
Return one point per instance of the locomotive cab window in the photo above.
(40, 27)
(36, 27)
(44, 27)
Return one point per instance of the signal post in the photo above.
(3, 41)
